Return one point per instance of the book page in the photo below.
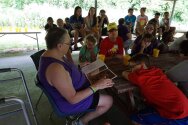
(97, 70)
(96, 75)
(93, 66)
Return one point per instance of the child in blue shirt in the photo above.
(130, 19)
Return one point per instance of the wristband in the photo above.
(93, 89)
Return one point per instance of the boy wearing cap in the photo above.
(168, 104)
(112, 46)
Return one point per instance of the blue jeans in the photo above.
(149, 116)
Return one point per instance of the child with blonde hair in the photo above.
(88, 53)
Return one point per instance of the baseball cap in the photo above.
(112, 26)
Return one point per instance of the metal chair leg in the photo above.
(36, 106)
(23, 108)
(25, 87)
(27, 93)
(51, 114)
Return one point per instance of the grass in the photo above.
(16, 43)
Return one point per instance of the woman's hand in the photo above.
(102, 84)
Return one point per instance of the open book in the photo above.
(97, 70)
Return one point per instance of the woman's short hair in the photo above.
(141, 58)
(90, 38)
(54, 37)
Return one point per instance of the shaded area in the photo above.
(115, 116)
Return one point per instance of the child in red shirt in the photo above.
(113, 45)
(170, 103)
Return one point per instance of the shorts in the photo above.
(150, 117)
(95, 102)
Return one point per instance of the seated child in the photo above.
(112, 46)
(124, 33)
(88, 53)
(49, 24)
(166, 38)
(169, 104)
(144, 45)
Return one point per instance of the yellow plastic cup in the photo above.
(26, 29)
(17, 29)
(156, 52)
(126, 59)
(101, 57)
(10, 29)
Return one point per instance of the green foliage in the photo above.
(7, 3)
(178, 16)
(36, 19)
(79, 3)
(112, 3)
(165, 7)
(19, 4)
(135, 4)
(66, 4)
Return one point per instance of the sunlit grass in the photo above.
(19, 42)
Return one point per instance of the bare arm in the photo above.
(72, 25)
(107, 20)
(137, 25)
(143, 46)
(81, 62)
(80, 58)
(119, 56)
(102, 19)
(85, 23)
(133, 47)
(125, 74)
(129, 35)
(101, 22)
(58, 77)
(141, 51)
(93, 55)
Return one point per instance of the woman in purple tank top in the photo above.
(67, 85)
